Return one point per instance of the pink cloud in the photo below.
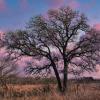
(97, 26)
(1, 34)
(24, 4)
(2, 52)
(58, 3)
(23, 60)
(54, 3)
(2, 5)
(95, 74)
(73, 4)
(76, 4)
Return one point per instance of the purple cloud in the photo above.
(54, 3)
(97, 26)
(24, 3)
(73, 4)
(2, 5)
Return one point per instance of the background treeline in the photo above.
(39, 80)
(30, 80)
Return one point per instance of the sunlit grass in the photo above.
(82, 91)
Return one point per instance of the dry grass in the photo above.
(49, 92)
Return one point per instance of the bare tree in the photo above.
(67, 33)
(8, 66)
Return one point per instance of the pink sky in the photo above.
(75, 4)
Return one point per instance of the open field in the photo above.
(90, 91)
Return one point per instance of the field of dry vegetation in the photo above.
(76, 91)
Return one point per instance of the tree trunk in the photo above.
(65, 80)
(56, 74)
(65, 76)
(58, 78)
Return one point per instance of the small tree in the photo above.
(67, 33)
(7, 67)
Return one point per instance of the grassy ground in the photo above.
(81, 91)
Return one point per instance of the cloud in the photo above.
(2, 5)
(96, 74)
(1, 34)
(54, 3)
(73, 4)
(57, 3)
(24, 4)
(76, 4)
(97, 26)
(23, 60)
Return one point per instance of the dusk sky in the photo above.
(14, 14)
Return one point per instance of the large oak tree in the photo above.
(67, 32)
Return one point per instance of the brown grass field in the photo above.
(90, 91)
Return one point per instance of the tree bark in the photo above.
(58, 78)
(56, 74)
(65, 76)
(65, 81)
